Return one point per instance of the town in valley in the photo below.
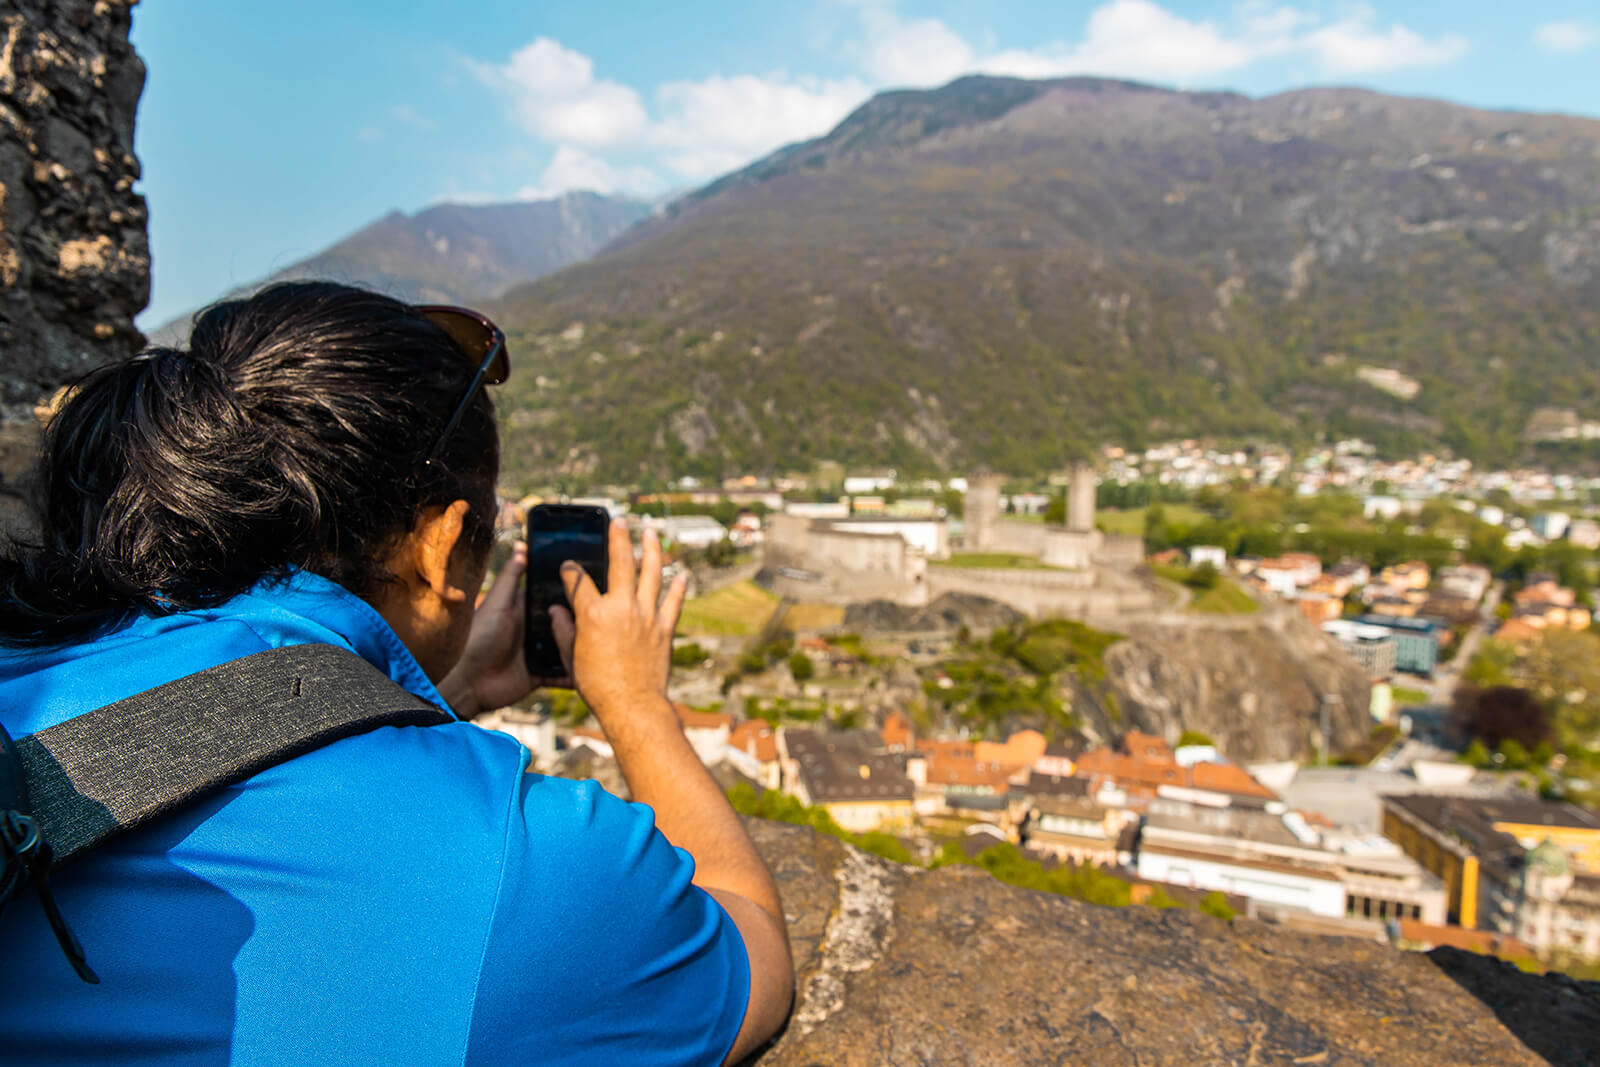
(941, 670)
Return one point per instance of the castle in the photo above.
(822, 552)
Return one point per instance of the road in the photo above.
(1448, 676)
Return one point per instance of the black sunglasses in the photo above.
(481, 341)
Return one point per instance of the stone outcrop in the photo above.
(74, 259)
(901, 966)
(1253, 683)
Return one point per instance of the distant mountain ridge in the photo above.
(461, 253)
(1007, 273)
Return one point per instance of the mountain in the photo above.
(461, 253)
(1008, 273)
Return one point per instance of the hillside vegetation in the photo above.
(1007, 273)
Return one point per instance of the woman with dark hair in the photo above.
(319, 467)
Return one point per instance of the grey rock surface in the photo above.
(901, 966)
(74, 259)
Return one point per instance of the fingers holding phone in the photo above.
(622, 646)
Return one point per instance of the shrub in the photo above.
(800, 667)
(689, 655)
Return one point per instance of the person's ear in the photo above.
(433, 543)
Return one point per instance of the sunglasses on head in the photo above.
(482, 343)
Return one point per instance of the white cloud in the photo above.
(1355, 46)
(572, 168)
(607, 139)
(557, 97)
(718, 123)
(1572, 35)
(1142, 39)
(911, 53)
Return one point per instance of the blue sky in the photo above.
(268, 131)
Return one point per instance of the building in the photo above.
(753, 750)
(1065, 821)
(861, 790)
(1519, 866)
(1373, 647)
(1199, 555)
(1147, 768)
(1416, 641)
(708, 732)
(1468, 581)
(689, 531)
(1281, 861)
(1412, 575)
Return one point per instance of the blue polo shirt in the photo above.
(406, 896)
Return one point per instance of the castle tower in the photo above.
(1080, 499)
(982, 511)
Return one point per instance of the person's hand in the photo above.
(492, 672)
(618, 646)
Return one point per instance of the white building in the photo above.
(690, 531)
(1212, 554)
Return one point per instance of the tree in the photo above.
(1502, 715)
(689, 655)
(1194, 737)
(801, 668)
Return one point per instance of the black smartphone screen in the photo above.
(557, 533)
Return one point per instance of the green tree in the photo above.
(801, 668)
(1193, 737)
(1215, 903)
(689, 654)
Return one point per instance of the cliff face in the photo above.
(1255, 684)
(74, 260)
(900, 966)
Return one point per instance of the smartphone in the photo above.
(557, 533)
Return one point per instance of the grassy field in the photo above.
(1131, 521)
(996, 561)
(1404, 696)
(735, 610)
(741, 609)
(803, 617)
(1226, 599)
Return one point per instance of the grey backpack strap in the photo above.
(122, 765)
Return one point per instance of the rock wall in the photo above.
(74, 259)
(1254, 683)
(901, 966)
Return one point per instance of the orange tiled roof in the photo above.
(701, 720)
(966, 770)
(757, 738)
(1019, 750)
(1148, 745)
(933, 748)
(896, 730)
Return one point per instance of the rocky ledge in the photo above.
(902, 966)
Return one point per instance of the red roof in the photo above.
(757, 738)
(702, 720)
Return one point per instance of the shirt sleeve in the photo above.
(600, 949)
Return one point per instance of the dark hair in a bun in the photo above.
(292, 432)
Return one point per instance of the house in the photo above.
(1318, 608)
(1585, 533)
(755, 745)
(1516, 865)
(708, 732)
(1354, 571)
(896, 733)
(1076, 828)
(1199, 555)
(688, 531)
(861, 790)
(1518, 632)
(1147, 768)
(1412, 575)
(1468, 581)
